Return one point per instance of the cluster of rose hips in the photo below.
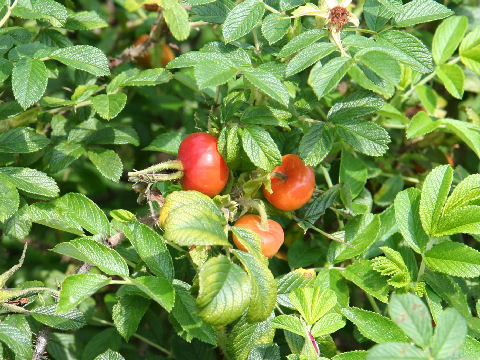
(204, 170)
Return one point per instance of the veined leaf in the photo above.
(374, 326)
(454, 258)
(242, 19)
(224, 291)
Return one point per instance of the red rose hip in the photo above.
(203, 167)
(292, 184)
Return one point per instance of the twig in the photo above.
(131, 53)
(8, 13)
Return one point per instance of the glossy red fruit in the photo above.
(292, 185)
(203, 166)
(271, 239)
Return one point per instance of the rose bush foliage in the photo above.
(379, 97)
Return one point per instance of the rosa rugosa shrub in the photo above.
(253, 179)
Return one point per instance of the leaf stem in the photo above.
(327, 177)
(324, 233)
(373, 303)
(428, 78)
(8, 13)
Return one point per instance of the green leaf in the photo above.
(450, 334)
(22, 140)
(176, 18)
(396, 351)
(109, 106)
(184, 313)
(32, 181)
(465, 193)
(360, 232)
(421, 11)
(157, 288)
(127, 314)
(318, 206)
(407, 204)
(356, 105)
(85, 20)
(77, 287)
(242, 19)
(83, 57)
(266, 115)
(381, 63)
(389, 189)
(263, 287)
(98, 344)
(49, 10)
(290, 323)
(428, 98)
(192, 218)
(246, 336)
(411, 314)
(352, 172)
(150, 247)
(224, 291)
(309, 56)
(251, 241)
(229, 145)
(29, 81)
(267, 83)
(213, 73)
(301, 42)
(327, 324)
(467, 132)
(6, 68)
(447, 37)
(62, 155)
(18, 226)
(367, 79)
(94, 252)
(407, 49)
(313, 302)
(110, 355)
(260, 148)
(48, 315)
(54, 216)
(85, 212)
(453, 79)
(17, 340)
(265, 352)
(365, 136)
(275, 27)
(434, 194)
(166, 142)
(377, 14)
(470, 50)
(325, 78)
(361, 273)
(215, 12)
(107, 162)
(316, 144)
(421, 124)
(454, 258)
(374, 326)
(10, 200)
(471, 348)
(351, 355)
(149, 77)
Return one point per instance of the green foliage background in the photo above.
(388, 118)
